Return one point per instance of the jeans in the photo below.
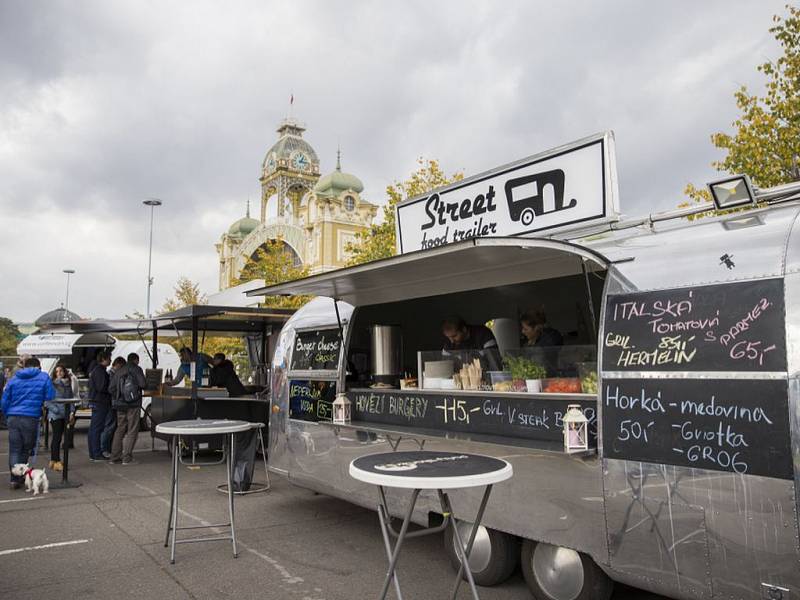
(57, 425)
(107, 435)
(22, 435)
(96, 426)
(125, 436)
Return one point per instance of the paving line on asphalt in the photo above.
(284, 573)
(43, 547)
(22, 499)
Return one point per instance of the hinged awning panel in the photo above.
(476, 264)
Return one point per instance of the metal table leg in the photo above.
(229, 465)
(173, 447)
(69, 431)
(390, 574)
(174, 504)
(384, 517)
(465, 551)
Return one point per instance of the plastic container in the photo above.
(587, 372)
(501, 381)
(561, 385)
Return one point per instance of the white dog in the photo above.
(35, 479)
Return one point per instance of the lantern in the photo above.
(576, 429)
(341, 410)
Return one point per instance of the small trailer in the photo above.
(691, 332)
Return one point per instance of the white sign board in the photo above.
(49, 344)
(567, 188)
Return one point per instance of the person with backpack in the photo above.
(100, 401)
(126, 388)
(107, 435)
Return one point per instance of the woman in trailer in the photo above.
(536, 333)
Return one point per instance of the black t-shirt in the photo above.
(480, 338)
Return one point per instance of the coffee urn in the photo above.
(387, 354)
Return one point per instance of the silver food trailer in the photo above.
(689, 488)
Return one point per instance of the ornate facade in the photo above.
(315, 217)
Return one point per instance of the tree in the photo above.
(186, 293)
(379, 241)
(9, 337)
(274, 263)
(766, 141)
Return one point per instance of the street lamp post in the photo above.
(68, 273)
(152, 203)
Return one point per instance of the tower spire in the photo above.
(338, 158)
(248, 207)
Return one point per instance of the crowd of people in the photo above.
(115, 397)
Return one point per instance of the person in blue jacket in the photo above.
(23, 398)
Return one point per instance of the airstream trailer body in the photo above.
(690, 489)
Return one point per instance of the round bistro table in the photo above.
(188, 428)
(424, 470)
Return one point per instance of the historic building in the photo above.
(314, 217)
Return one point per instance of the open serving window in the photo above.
(395, 368)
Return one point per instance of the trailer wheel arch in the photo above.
(559, 573)
(495, 554)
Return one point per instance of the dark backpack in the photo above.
(129, 390)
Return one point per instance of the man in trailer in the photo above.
(476, 340)
(223, 374)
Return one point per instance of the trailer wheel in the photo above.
(494, 554)
(558, 573)
(527, 216)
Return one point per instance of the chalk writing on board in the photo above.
(725, 327)
(316, 350)
(718, 424)
(311, 400)
(505, 416)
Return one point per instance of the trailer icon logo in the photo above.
(526, 196)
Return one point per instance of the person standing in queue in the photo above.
(223, 374)
(100, 402)
(475, 339)
(127, 385)
(536, 333)
(23, 398)
(58, 414)
(111, 420)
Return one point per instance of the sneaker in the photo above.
(52, 464)
(97, 459)
(106, 455)
(115, 461)
(129, 462)
(14, 485)
(57, 465)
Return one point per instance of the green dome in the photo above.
(244, 226)
(337, 182)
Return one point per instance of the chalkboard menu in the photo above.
(725, 327)
(316, 350)
(494, 414)
(311, 400)
(741, 426)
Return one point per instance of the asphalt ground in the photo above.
(105, 539)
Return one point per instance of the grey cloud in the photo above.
(108, 103)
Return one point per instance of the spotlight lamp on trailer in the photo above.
(732, 192)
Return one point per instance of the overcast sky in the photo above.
(103, 104)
